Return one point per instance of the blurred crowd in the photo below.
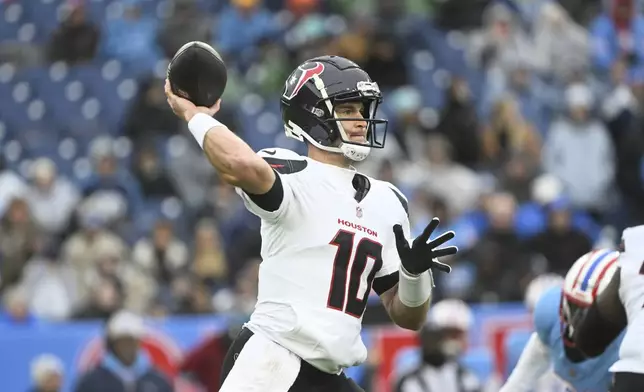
(516, 122)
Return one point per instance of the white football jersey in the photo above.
(631, 293)
(321, 252)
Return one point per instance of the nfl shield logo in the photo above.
(359, 212)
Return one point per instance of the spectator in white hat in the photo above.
(47, 373)
(124, 333)
(48, 189)
(124, 367)
(443, 340)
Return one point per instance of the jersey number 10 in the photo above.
(344, 297)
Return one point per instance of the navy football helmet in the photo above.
(310, 95)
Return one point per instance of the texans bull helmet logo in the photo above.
(298, 79)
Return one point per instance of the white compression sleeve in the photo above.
(200, 124)
(414, 290)
(533, 363)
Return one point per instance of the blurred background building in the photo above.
(517, 122)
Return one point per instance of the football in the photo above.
(198, 73)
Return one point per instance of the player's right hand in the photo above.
(423, 255)
(185, 109)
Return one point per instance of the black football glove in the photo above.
(422, 255)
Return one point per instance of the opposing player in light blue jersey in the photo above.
(551, 345)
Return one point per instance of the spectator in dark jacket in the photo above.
(385, 62)
(76, 39)
(503, 265)
(152, 176)
(561, 243)
(124, 366)
(149, 116)
(459, 124)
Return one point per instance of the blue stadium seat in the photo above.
(13, 153)
(64, 100)
(45, 16)
(423, 73)
(12, 16)
(53, 77)
(39, 139)
(72, 108)
(86, 73)
(7, 104)
(153, 210)
(152, 7)
(107, 84)
(261, 122)
(96, 10)
(21, 108)
(85, 122)
(5, 132)
(115, 98)
(446, 52)
(63, 154)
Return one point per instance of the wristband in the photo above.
(414, 290)
(200, 124)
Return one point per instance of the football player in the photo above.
(552, 343)
(619, 307)
(329, 233)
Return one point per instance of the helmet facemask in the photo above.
(569, 310)
(369, 95)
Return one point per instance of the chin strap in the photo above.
(354, 152)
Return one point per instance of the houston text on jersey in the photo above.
(358, 227)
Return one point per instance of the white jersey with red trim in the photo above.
(631, 293)
(322, 251)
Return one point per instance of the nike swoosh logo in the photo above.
(270, 152)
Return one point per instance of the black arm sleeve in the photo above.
(602, 322)
(384, 283)
(271, 200)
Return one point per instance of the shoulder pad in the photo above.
(633, 240)
(400, 197)
(283, 161)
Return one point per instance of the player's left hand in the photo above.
(423, 255)
(185, 109)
